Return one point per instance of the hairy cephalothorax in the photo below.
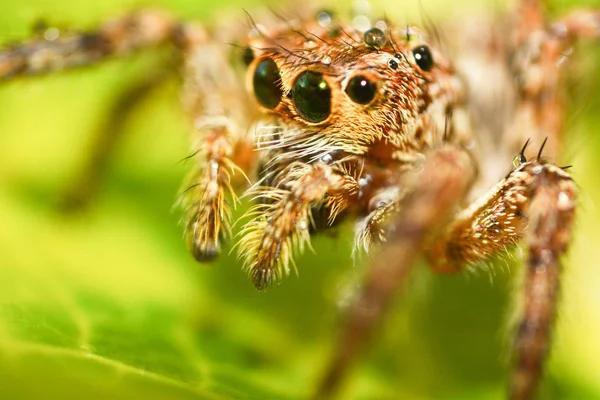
(372, 121)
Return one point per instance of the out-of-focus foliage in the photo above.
(108, 303)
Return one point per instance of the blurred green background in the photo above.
(108, 303)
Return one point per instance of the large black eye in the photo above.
(312, 96)
(423, 58)
(361, 90)
(267, 83)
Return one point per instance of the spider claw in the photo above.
(206, 252)
(522, 153)
(520, 158)
(263, 278)
(539, 155)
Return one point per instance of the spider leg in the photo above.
(57, 50)
(579, 24)
(550, 217)
(540, 50)
(372, 229)
(83, 187)
(448, 173)
(535, 202)
(267, 244)
(215, 99)
(212, 96)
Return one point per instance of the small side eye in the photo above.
(361, 90)
(267, 83)
(423, 58)
(247, 55)
(312, 96)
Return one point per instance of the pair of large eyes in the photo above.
(310, 93)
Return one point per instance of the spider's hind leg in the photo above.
(538, 67)
(72, 49)
(82, 189)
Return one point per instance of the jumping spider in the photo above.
(372, 121)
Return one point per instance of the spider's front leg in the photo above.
(535, 202)
(371, 230)
(215, 99)
(447, 174)
(267, 244)
(212, 95)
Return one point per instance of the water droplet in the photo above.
(375, 38)
(381, 24)
(324, 18)
(361, 23)
(51, 34)
(310, 44)
(362, 7)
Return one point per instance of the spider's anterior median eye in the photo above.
(312, 96)
(361, 90)
(423, 58)
(267, 83)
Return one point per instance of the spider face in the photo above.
(360, 107)
(337, 89)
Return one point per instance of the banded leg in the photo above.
(56, 50)
(541, 49)
(535, 202)
(83, 188)
(448, 173)
(209, 86)
(267, 244)
(215, 99)
(551, 216)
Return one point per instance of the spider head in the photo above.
(348, 90)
